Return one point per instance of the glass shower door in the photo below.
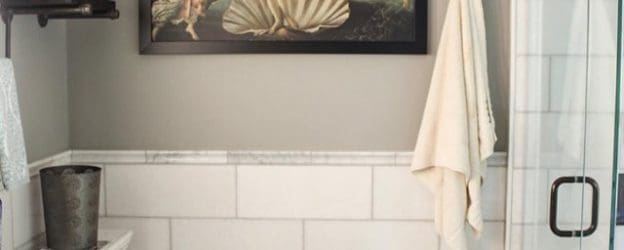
(565, 68)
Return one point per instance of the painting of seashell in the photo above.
(278, 17)
(407, 3)
(289, 26)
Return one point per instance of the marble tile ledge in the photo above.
(307, 158)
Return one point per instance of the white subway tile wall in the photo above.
(493, 237)
(602, 72)
(398, 196)
(159, 190)
(494, 194)
(539, 236)
(236, 234)
(27, 212)
(370, 235)
(567, 86)
(7, 221)
(274, 200)
(600, 134)
(548, 140)
(149, 233)
(304, 192)
(533, 74)
(553, 29)
(529, 195)
(603, 26)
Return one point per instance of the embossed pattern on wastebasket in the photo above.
(71, 202)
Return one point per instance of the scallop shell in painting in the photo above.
(265, 17)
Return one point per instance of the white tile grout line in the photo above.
(564, 55)
(511, 118)
(236, 190)
(303, 233)
(12, 221)
(550, 83)
(39, 238)
(105, 190)
(282, 219)
(438, 245)
(170, 233)
(396, 159)
(372, 196)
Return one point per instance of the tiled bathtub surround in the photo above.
(266, 200)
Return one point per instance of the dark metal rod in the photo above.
(112, 14)
(7, 38)
(84, 9)
(7, 18)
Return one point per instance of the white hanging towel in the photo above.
(12, 150)
(457, 131)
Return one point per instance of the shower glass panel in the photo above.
(564, 119)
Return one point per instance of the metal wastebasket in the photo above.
(71, 197)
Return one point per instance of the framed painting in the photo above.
(283, 26)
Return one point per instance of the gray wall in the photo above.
(40, 60)
(121, 100)
(498, 21)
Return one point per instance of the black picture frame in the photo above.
(419, 46)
